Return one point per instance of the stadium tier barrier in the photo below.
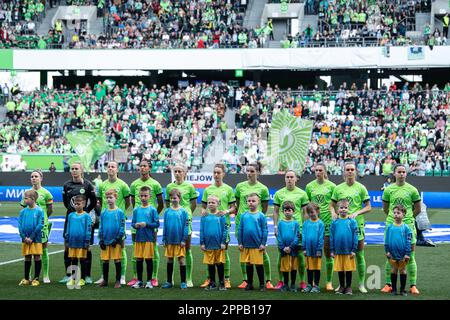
(435, 191)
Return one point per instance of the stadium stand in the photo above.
(175, 24)
(166, 125)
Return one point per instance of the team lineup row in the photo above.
(319, 205)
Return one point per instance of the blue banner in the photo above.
(431, 199)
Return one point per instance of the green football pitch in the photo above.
(431, 274)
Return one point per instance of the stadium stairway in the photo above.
(313, 20)
(253, 14)
(422, 19)
(47, 22)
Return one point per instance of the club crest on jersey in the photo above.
(82, 191)
(320, 198)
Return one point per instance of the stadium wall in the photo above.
(435, 191)
(228, 59)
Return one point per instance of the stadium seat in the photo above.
(445, 173)
(429, 173)
(437, 172)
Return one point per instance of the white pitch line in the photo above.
(18, 260)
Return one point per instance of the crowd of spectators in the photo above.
(18, 25)
(409, 124)
(170, 24)
(161, 124)
(362, 23)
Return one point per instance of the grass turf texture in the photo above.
(431, 271)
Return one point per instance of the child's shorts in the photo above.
(288, 264)
(144, 250)
(313, 263)
(111, 253)
(174, 250)
(214, 256)
(252, 256)
(31, 249)
(398, 264)
(77, 253)
(344, 262)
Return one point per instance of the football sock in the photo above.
(37, 268)
(139, 269)
(387, 270)
(402, 282)
(169, 272)
(227, 266)
(348, 279)
(149, 263)
(316, 277)
(156, 261)
(118, 270)
(285, 278)
(411, 269)
(124, 262)
(310, 277)
(183, 273)
(267, 267)
(221, 273)
(45, 260)
(361, 267)
(301, 267)
(394, 282)
(189, 262)
(212, 273)
(249, 268)
(88, 263)
(293, 277)
(329, 264)
(260, 272)
(27, 269)
(105, 267)
(280, 274)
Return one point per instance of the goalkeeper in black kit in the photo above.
(72, 188)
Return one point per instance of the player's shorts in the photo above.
(344, 262)
(174, 250)
(46, 232)
(411, 226)
(313, 263)
(144, 250)
(252, 256)
(361, 231)
(111, 253)
(398, 264)
(214, 256)
(77, 253)
(31, 249)
(288, 263)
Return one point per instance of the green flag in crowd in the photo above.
(289, 139)
(109, 84)
(89, 145)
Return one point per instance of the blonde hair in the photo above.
(111, 191)
(32, 194)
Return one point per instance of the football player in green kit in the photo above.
(156, 200)
(243, 190)
(407, 195)
(357, 195)
(45, 202)
(300, 199)
(319, 191)
(123, 202)
(189, 203)
(226, 207)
